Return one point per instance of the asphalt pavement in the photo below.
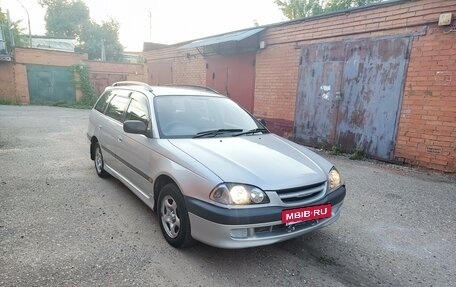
(62, 225)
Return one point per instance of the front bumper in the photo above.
(241, 228)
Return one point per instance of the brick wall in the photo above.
(427, 129)
(277, 66)
(132, 71)
(21, 84)
(191, 70)
(24, 56)
(7, 87)
(13, 76)
(103, 74)
(47, 57)
(426, 133)
(188, 66)
(14, 81)
(276, 85)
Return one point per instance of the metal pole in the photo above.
(103, 50)
(150, 26)
(28, 21)
(13, 43)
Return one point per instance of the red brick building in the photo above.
(380, 78)
(40, 76)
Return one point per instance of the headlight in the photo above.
(334, 179)
(238, 194)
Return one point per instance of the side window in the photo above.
(103, 101)
(116, 107)
(138, 109)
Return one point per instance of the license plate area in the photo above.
(292, 216)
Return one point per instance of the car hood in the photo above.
(266, 161)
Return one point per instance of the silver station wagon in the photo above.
(210, 170)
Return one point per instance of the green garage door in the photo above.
(49, 85)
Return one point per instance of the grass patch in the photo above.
(6, 101)
(357, 154)
(327, 260)
(78, 105)
(336, 150)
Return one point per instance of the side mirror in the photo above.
(262, 121)
(135, 127)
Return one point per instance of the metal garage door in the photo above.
(50, 85)
(350, 94)
(160, 72)
(234, 76)
(104, 79)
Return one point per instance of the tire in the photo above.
(99, 162)
(173, 217)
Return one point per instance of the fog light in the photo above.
(239, 233)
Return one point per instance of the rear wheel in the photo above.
(173, 217)
(99, 163)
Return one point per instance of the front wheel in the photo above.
(99, 163)
(173, 217)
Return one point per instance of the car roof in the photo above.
(168, 90)
(187, 91)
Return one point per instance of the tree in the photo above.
(337, 5)
(295, 9)
(71, 19)
(65, 18)
(94, 36)
(11, 29)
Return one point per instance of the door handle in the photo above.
(119, 139)
(99, 127)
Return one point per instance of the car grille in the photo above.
(304, 194)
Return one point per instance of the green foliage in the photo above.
(327, 260)
(336, 149)
(7, 101)
(94, 35)
(70, 18)
(337, 5)
(82, 80)
(65, 18)
(296, 9)
(11, 29)
(357, 154)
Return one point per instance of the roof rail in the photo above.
(132, 83)
(192, 86)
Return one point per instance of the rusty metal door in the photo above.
(234, 76)
(102, 80)
(354, 103)
(319, 83)
(160, 72)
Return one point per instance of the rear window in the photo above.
(116, 107)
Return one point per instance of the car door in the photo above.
(135, 148)
(111, 134)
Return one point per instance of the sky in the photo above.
(173, 21)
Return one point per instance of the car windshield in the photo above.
(202, 116)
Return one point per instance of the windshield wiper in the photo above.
(254, 131)
(213, 133)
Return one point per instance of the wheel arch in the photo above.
(160, 182)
